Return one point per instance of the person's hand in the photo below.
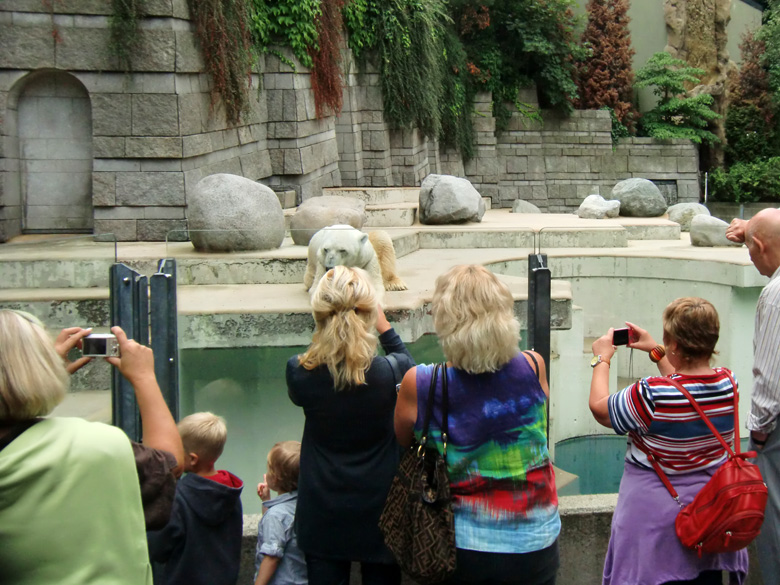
(603, 346)
(382, 324)
(263, 491)
(758, 439)
(736, 230)
(136, 361)
(643, 340)
(68, 339)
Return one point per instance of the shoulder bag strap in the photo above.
(429, 405)
(444, 409)
(394, 366)
(533, 359)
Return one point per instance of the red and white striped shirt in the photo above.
(660, 418)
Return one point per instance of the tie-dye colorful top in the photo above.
(501, 477)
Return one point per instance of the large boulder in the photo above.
(318, 212)
(683, 213)
(596, 207)
(447, 199)
(638, 198)
(708, 231)
(520, 206)
(228, 213)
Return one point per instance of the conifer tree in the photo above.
(606, 77)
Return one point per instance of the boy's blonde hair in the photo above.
(205, 434)
(284, 462)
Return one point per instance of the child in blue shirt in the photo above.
(279, 561)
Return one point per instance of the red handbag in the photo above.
(727, 513)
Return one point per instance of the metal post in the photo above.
(539, 307)
(165, 333)
(124, 301)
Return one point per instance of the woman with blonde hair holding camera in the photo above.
(501, 476)
(349, 454)
(70, 500)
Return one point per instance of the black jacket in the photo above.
(202, 542)
(349, 457)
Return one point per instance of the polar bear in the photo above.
(343, 245)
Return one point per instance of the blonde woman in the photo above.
(70, 499)
(349, 454)
(501, 477)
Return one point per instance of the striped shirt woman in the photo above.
(658, 417)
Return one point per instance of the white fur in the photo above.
(342, 245)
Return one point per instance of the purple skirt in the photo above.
(643, 546)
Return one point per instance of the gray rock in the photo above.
(238, 214)
(708, 231)
(596, 207)
(520, 206)
(638, 198)
(683, 213)
(446, 199)
(319, 212)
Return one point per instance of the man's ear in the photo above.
(758, 242)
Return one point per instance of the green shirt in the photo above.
(70, 507)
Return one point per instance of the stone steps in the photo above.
(377, 195)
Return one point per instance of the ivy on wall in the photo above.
(222, 28)
(327, 81)
(123, 27)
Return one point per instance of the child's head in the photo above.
(284, 462)
(203, 435)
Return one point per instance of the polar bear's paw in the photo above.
(395, 283)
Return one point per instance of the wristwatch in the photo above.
(597, 359)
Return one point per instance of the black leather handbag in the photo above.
(417, 520)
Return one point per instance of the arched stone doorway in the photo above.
(54, 124)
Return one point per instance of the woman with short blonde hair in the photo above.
(501, 477)
(34, 379)
(348, 451)
(473, 315)
(68, 471)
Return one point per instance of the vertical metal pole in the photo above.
(539, 307)
(539, 311)
(124, 292)
(165, 333)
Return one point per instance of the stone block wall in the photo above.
(155, 133)
(304, 152)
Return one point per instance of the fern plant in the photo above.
(677, 115)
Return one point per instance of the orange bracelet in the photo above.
(657, 353)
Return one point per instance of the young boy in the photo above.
(202, 542)
(279, 561)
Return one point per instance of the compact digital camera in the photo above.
(100, 345)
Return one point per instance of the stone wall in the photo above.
(155, 133)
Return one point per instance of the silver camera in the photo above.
(100, 345)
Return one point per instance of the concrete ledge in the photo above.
(586, 523)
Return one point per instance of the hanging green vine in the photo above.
(289, 23)
(327, 81)
(223, 30)
(123, 26)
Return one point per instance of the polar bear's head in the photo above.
(343, 245)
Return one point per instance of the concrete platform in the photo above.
(257, 298)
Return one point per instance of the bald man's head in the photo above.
(762, 238)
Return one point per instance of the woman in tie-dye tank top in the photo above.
(502, 481)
